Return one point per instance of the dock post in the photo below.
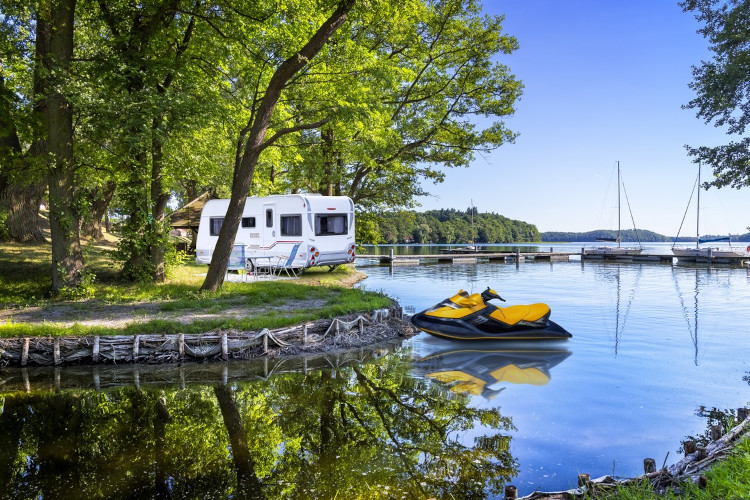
(391, 256)
(511, 492)
(518, 254)
(649, 465)
(710, 255)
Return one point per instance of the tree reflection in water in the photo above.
(367, 431)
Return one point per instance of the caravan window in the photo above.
(215, 225)
(330, 224)
(291, 225)
(269, 217)
(248, 222)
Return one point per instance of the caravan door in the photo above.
(269, 227)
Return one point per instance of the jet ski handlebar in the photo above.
(490, 294)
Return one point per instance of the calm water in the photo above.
(655, 350)
(654, 347)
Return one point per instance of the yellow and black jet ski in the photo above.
(472, 317)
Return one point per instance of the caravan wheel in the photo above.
(249, 266)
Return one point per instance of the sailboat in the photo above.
(612, 252)
(468, 248)
(706, 254)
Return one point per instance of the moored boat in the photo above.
(472, 317)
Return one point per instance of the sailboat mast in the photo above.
(472, 221)
(698, 211)
(618, 204)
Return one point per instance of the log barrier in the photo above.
(171, 348)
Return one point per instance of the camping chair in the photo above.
(284, 263)
(236, 262)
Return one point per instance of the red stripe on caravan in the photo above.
(329, 208)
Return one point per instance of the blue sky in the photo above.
(604, 82)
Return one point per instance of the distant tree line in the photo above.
(450, 226)
(628, 235)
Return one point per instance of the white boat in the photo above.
(612, 252)
(708, 254)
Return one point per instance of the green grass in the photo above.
(25, 281)
(729, 479)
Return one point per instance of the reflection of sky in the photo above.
(636, 375)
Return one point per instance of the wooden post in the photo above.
(56, 350)
(361, 325)
(649, 465)
(181, 345)
(391, 256)
(224, 375)
(304, 334)
(265, 342)
(136, 347)
(224, 346)
(689, 447)
(26, 382)
(518, 255)
(583, 479)
(716, 432)
(182, 378)
(137, 379)
(25, 351)
(95, 350)
(702, 482)
(702, 452)
(511, 492)
(742, 414)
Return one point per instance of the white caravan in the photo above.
(271, 226)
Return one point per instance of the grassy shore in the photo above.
(107, 305)
(729, 479)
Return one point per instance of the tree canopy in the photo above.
(168, 99)
(722, 87)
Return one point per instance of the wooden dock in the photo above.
(392, 259)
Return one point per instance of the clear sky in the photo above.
(604, 82)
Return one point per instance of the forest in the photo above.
(452, 226)
(130, 107)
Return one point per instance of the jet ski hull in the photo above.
(465, 329)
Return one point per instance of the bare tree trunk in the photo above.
(244, 168)
(159, 201)
(21, 203)
(65, 227)
(20, 194)
(101, 197)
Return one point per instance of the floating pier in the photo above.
(392, 259)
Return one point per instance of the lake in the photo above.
(655, 348)
(658, 355)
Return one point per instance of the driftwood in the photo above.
(687, 469)
(219, 344)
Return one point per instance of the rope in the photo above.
(637, 236)
(686, 211)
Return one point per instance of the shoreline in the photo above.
(321, 336)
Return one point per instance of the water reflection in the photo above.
(480, 369)
(363, 429)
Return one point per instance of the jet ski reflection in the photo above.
(480, 371)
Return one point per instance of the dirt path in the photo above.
(96, 313)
